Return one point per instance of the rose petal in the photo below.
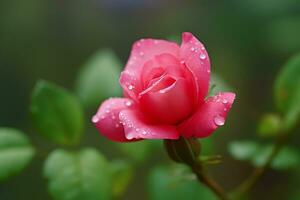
(142, 51)
(131, 84)
(209, 116)
(107, 120)
(160, 65)
(136, 126)
(193, 53)
(168, 100)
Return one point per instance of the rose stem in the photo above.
(208, 181)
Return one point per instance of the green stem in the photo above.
(187, 151)
(208, 181)
(257, 173)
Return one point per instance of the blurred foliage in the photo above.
(257, 154)
(269, 125)
(289, 28)
(98, 78)
(76, 176)
(122, 177)
(176, 183)
(138, 152)
(15, 152)
(217, 85)
(56, 113)
(287, 91)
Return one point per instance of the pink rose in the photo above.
(165, 88)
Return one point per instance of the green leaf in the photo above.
(269, 125)
(145, 149)
(77, 176)
(176, 183)
(287, 158)
(99, 78)
(243, 150)
(56, 113)
(287, 91)
(218, 85)
(122, 176)
(257, 154)
(15, 152)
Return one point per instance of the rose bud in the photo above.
(165, 87)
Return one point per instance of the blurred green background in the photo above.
(248, 41)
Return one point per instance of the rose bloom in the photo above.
(165, 87)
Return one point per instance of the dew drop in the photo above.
(95, 119)
(130, 87)
(202, 56)
(208, 71)
(107, 111)
(192, 49)
(144, 132)
(162, 91)
(219, 120)
(225, 101)
(137, 129)
(129, 136)
(128, 103)
(117, 125)
(182, 62)
(113, 117)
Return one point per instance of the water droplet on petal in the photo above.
(113, 117)
(192, 49)
(117, 125)
(137, 129)
(182, 62)
(128, 103)
(202, 56)
(107, 111)
(95, 119)
(208, 71)
(225, 101)
(130, 87)
(129, 136)
(219, 120)
(144, 132)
